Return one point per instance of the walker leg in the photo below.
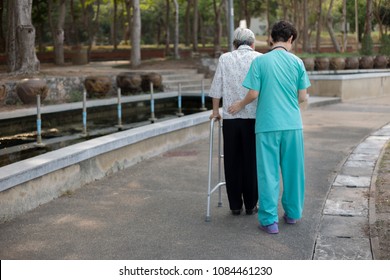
(208, 218)
(219, 197)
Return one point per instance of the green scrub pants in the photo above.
(280, 151)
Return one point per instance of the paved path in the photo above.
(156, 209)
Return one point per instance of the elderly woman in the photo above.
(238, 129)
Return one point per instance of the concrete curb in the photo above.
(350, 204)
(27, 184)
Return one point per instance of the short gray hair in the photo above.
(243, 36)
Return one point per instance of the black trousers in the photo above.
(240, 162)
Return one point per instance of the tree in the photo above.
(176, 43)
(218, 8)
(329, 24)
(167, 30)
(39, 16)
(74, 38)
(319, 26)
(381, 11)
(127, 34)
(2, 39)
(306, 41)
(136, 35)
(195, 27)
(57, 31)
(244, 12)
(284, 10)
(21, 56)
(115, 25)
(344, 27)
(268, 22)
(367, 39)
(187, 26)
(351, 17)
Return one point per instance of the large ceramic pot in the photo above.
(79, 55)
(309, 63)
(322, 63)
(129, 82)
(352, 63)
(337, 63)
(380, 62)
(366, 62)
(97, 86)
(153, 77)
(28, 89)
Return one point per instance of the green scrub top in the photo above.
(277, 76)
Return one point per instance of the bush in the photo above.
(385, 45)
(367, 44)
(75, 96)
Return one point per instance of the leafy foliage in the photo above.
(367, 45)
(385, 45)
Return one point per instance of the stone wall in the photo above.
(61, 89)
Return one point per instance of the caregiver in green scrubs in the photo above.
(279, 80)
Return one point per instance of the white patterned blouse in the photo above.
(227, 83)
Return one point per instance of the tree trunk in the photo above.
(176, 45)
(127, 33)
(247, 14)
(218, 26)
(85, 16)
(368, 24)
(381, 12)
(136, 35)
(73, 29)
(115, 25)
(195, 27)
(284, 9)
(319, 26)
(2, 39)
(269, 39)
(367, 39)
(58, 31)
(306, 41)
(201, 31)
(167, 30)
(230, 23)
(329, 24)
(187, 24)
(89, 26)
(298, 23)
(21, 56)
(344, 28)
(93, 28)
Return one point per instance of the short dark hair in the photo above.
(282, 31)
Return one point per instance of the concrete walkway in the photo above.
(156, 209)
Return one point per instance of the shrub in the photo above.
(367, 44)
(385, 45)
(75, 96)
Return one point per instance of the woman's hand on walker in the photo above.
(216, 116)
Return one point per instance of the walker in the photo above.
(220, 157)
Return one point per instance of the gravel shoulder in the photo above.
(381, 229)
